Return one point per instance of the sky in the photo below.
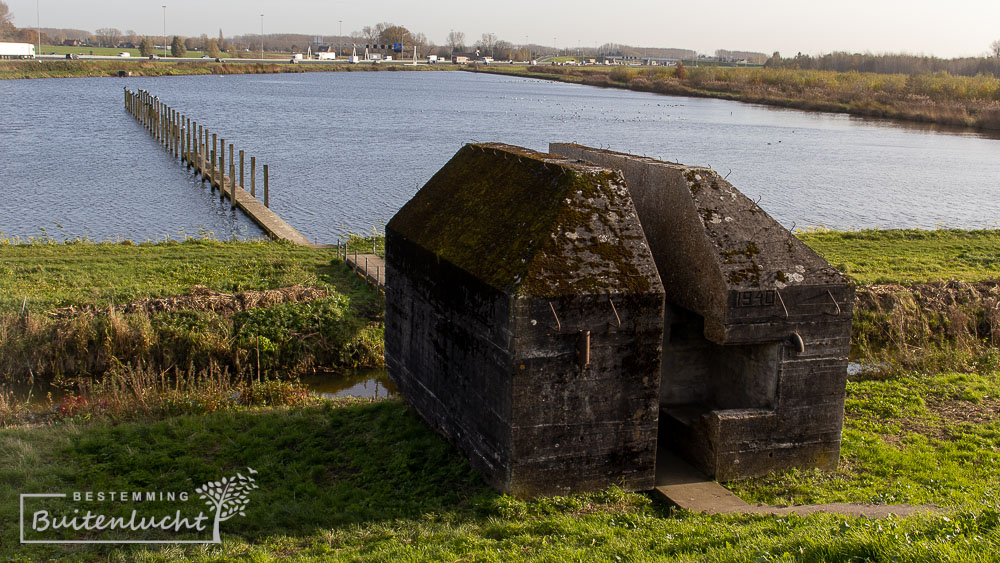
(929, 27)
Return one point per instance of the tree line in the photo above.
(892, 63)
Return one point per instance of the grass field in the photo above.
(337, 325)
(357, 480)
(909, 256)
(112, 52)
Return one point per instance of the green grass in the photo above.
(344, 328)
(113, 52)
(97, 51)
(355, 480)
(368, 481)
(56, 275)
(911, 255)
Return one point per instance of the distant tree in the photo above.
(146, 47)
(395, 34)
(504, 50)
(177, 48)
(456, 40)
(680, 72)
(369, 34)
(212, 48)
(222, 41)
(7, 29)
(108, 36)
(130, 36)
(487, 43)
(25, 35)
(193, 43)
(420, 41)
(995, 48)
(774, 61)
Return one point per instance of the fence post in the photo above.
(241, 169)
(222, 167)
(215, 148)
(232, 185)
(267, 199)
(253, 176)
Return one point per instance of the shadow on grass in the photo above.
(318, 468)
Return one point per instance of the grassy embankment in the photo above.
(362, 480)
(931, 98)
(85, 68)
(199, 311)
(135, 53)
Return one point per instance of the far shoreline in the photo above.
(954, 114)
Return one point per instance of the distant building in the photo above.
(325, 53)
(72, 43)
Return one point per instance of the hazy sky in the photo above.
(947, 29)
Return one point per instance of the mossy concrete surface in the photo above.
(531, 223)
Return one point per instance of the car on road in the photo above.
(124, 54)
(72, 56)
(206, 57)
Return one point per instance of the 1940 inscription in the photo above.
(755, 298)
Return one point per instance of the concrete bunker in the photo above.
(526, 320)
(756, 329)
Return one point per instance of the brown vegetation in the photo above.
(204, 299)
(931, 326)
(933, 98)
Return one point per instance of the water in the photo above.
(363, 383)
(346, 150)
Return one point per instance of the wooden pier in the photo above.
(200, 150)
(371, 267)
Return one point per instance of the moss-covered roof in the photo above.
(748, 247)
(531, 223)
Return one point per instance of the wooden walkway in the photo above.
(370, 267)
(268, 220)
(187, 141)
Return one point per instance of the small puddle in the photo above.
(361, 383)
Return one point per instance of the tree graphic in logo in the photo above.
(230, 497)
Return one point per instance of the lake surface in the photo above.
(347, 149)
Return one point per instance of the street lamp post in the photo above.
(340, 38)
(262, 37)
(38, 27)
(164, 31)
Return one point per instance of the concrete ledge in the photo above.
(685, 487)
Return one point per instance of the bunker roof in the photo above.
(531, 223)
(708, 238)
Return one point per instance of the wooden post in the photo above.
(201, 152)
(378, 275)
(231, 156)
(241, 169)
(222, 165)
(267, 199)
(232, 185)
(215, 147)
(253, 176)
